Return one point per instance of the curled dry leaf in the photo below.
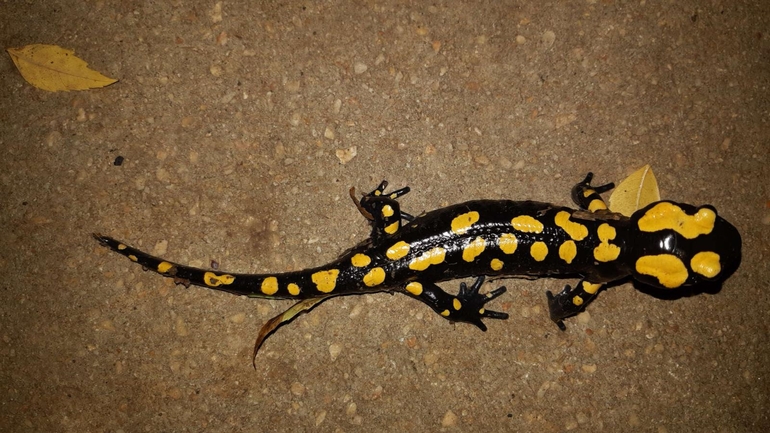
(53, 68)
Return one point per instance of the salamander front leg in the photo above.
(571, 301)
(382, 210)
(587, 196)
(467, 306)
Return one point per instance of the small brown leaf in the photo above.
(53, 68)
(635, 192)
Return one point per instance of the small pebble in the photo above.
(351, 409)
(118, 161)
(346, 155)
(588, 368)
(181, 328)
(297, 389)
(359, 68)
(548, 38)
(160, 248)
(320, 417)
(449, 419)
(238, 318)
(334, 351)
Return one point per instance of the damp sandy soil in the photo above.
(242, 127)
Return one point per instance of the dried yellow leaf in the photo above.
(635, 192)
(54, 68)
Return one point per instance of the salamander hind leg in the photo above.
(571, 301)
(467, 306)
(587, 196)
(382, 210)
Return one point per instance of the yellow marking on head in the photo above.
(430, 257)
(588, 192)
(577, 300)
(213, 280)
(575, 230)
(591, 288)
(445, 313)
(269, 286)
(122, 247)
(473, 249)
(164, 267)
(293, 289)
(461, 223)
(706, 263)
(597, 204)
(414, 288)
(325, 281)
(456, 304)
(398, 250)
(374, 277)
(387, 211)
(527, 224)
(508, 243)
(360, 260)
(605, 251)
(667, 268)
(132, 258)
(568, 251)
(496, 264)
(538, 251)
(392, 228)
(666, 215)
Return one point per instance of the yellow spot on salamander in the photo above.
(325, 281)
(496, 264)
(605, 251)
(596, 205)
(461, 223)
(392, 228)
(538, 251)
(667, 268)
(445, 313)
(527, 224)
(456, 304)
(666, 215)
(568, 251)
(575, 230)
(164, 267)
(430, 257)
(577, 300)
(360, 260)
(387, 211)
(213, 280)
(508, 243)
(374, 277)
(399, 250)
(293, 289)
(473, 249)
(706, 263)
(122, 247)
(414, 288)
(269, 286)
(133, 258)
(588, 192)
(591, 288)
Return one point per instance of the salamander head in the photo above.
(679, 245)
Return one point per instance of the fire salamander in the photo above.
(666, 245)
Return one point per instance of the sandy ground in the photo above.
(242, 131)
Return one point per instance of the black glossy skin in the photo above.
(434, 230)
